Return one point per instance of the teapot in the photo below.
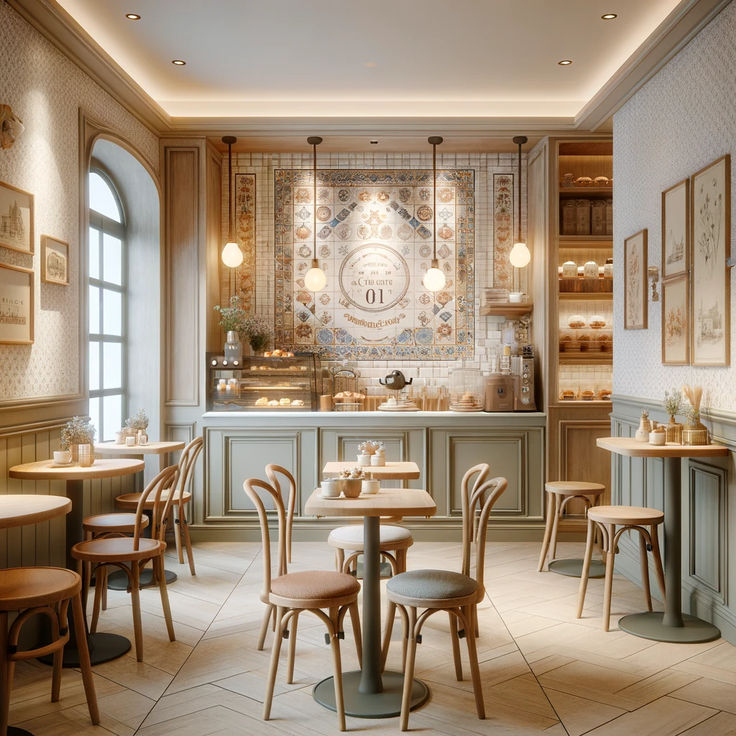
(395, 380)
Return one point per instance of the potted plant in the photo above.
(673, 406)
(77, 431)
(257, 331)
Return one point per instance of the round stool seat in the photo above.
(625, 515)
(430, 585)
(574, 488)
(351, 537)
(28, 587)
(115, 522)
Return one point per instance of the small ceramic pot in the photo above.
(370, 486)
(351, 487)
(657, 438)
(364, 459)
(379, 459)
(62, 457)
(331, 487)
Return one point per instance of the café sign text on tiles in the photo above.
(374, 242)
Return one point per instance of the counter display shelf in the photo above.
(263, 384)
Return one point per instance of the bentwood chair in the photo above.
(326, 594)
(418, 594)
(182, 497)
(131, 554)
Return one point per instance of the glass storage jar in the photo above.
(467, 390)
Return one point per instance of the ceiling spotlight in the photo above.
(132, 16)
(565, 62)
(181, 62)
(609, 16)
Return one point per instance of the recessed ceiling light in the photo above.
(178, 62)
(565, 62)
(609, 16)
(369, 64)
(373, 142)
(132, 16)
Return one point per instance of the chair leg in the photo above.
(555, 523)
(6, 669)
(547, 532)
(456, 646)
(473, 660)
(654, 534)
(56, 665)
(135, 586)
(103, 591)
(337, 664)
(411, 655)
(586, 567)
(339, 559)
(176, 517)
(390, 616)
(100, 585)
(184, 523)
(270, 611)
(158, 565)
(608, 583)
(645, 571)
(292, 648)
(275, 650)
(357, 635)
(84, 662)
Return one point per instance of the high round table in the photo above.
(673, 625)
(102, 647)
(19, 510)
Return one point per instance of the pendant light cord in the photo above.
(230, 192)
(314, 197)
(434, 200)
(520, 140)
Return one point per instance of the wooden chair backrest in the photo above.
(186, 464)
(257, 490)
(477, 474)
(272, 473)
(165, 480)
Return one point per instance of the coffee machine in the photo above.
(522, 368)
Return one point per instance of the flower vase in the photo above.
(233, 348)
(74, 449)
(674, 431)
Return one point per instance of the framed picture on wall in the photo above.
(675, 229)
(16, 219)
(710, 217)
(635, 281)
(16, 305)
(54, 261)
(675, 321)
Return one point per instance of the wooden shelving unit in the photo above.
(573, 357)
(510, 311)
(583, 296)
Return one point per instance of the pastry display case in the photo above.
(273, 384)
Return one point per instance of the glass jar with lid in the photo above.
(467, 390)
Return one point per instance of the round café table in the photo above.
(102, 647)
(20, 510)
(118, 580)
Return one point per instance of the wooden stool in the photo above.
(559, 494)
(45, 591)
(606, 519)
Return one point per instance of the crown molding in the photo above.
(58, 27)
(673, 34)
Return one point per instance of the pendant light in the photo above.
(520, 255)
(315, 279)
(434, 279)
(231, 256)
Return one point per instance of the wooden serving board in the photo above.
(398, 407)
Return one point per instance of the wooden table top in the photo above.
(102, 468)
(392, 470)
(152, 448)
(20, 509)
(387, 502)
(633, 448)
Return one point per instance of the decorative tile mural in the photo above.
(503, 229)
(374, 242)
(245, 236)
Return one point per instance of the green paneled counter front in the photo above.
(238, 445)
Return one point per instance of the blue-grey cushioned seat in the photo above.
(432, 584)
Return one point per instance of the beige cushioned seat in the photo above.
(432, 584)
(353, 535)
(314, 584)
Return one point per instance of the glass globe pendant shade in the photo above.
(315, 279)
(232, 256)
(520, 255)
(434, 279)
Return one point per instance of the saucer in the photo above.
(61, 465)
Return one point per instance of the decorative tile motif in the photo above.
(245, 236)
(503, 229)
(375, 252)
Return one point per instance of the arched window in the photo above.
(107, 296)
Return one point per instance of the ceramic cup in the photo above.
(364, 459)
(331, 487)
(62, 457)
(130, 441)
(351, 487)
(378, 459)
(370, 486)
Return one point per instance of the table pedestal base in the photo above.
(102, 648)
(574, 567)
(119, 580)
(649, 625)
(15, 731)
(385, 704)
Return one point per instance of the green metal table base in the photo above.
(118, 580)
(103, 647)
(15, 731)
(385, 704)
(574, 567)
(649, 625)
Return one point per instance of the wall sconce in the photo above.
(653, 276)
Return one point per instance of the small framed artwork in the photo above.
(16, 219)
(675, 229)
(710, 217)
(675, 321)
(16, 305)
(54, 261)
(635, 281)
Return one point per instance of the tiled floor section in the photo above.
(543, 671)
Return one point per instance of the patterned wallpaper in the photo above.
(680, 121)
(46, 91)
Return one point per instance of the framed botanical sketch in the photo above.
(710, 246)
(635, 281)
(16, 305)
(16, 219)
(675, 321)
(675, 229)
(54, 261)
